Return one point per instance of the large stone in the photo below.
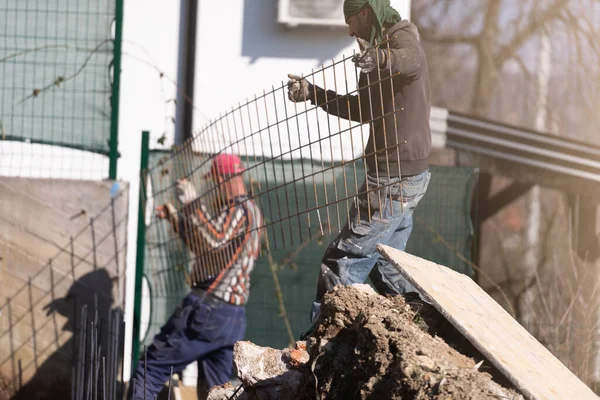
(271, 374)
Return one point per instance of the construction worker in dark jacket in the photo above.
(225, 239)
(393, 97)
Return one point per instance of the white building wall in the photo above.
(150, 40)
(29, 160)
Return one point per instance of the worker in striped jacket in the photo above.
(224, 235)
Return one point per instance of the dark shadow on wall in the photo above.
(263, 36)
(53, 379)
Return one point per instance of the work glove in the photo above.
(367, 59)
(185, 191)
(299, 89)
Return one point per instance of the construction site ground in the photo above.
(367, 346)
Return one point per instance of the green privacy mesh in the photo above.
(55, 72)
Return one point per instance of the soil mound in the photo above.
(366, 346)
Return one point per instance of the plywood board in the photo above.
(534, 371)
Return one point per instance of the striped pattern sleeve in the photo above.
(203, 231)
(233, 283)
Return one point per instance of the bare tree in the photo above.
(499, 31)
(483, 58)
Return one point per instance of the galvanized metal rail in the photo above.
(523, 148)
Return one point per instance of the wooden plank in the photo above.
(534, 371)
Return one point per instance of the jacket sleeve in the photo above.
(347, 106)
(403, 57)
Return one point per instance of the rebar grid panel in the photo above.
(56, 60)
(265, 135)
(305, 166)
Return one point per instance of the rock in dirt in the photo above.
(272, 374)
(228, 392)
(365, 347)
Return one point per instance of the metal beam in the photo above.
(525, 148)
(502, 199)
(186, 70)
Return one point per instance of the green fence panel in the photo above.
(443, 230)
(56, 72)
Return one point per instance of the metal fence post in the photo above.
(116, 86)
(140, 248)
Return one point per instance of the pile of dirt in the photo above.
(366, 347)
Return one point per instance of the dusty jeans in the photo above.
(381, 214)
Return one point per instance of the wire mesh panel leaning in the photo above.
(365, 112)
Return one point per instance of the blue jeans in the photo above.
(202, 328)
(381, 214)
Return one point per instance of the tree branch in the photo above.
(430, 36)
(523, 67)
(536, 25)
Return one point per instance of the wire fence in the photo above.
(59, 102)
(306, 163)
